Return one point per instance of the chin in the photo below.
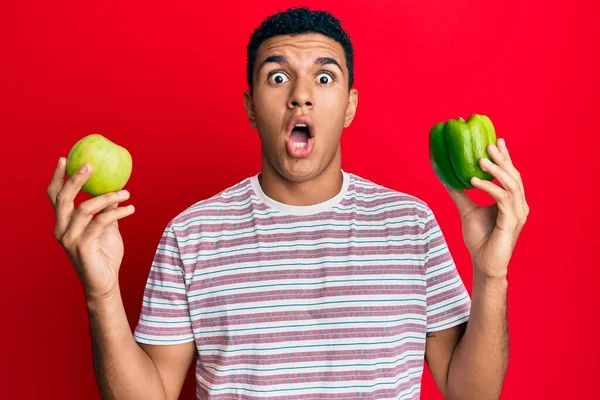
(299, 171)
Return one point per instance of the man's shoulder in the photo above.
(367, 193)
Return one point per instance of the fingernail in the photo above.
(486, 161)
(123, 193)
(83, 169)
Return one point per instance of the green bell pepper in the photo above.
(455, 148)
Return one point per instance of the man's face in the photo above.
(303, 77)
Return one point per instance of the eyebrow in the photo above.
(283, 60)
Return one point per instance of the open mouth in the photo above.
(300, 140)
(300, 135)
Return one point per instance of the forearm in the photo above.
(123, 369)
(478, 365)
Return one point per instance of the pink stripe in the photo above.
(311, 254)
(144, 329)
(280, 317)
(352, 333)
(159, 276)
(398, 232)
(461, 310)
(449, 294)
(158, 311)
(227, 227)
(273, 360)
(436, 241)
(256, 277)
(365, 293)
(438, 259)
(156, 294)
(411, 251)
(429, 225)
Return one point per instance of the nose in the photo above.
(301, 95)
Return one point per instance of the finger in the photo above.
(506, 180)
(57, 181)
(82, 216)
(509, 184)
(65, 199)
(509, 166)
(462, 201)
(111, 207)
(498, 193)
(503, 161)
(500, 156)
(503, 149)
(97, 226)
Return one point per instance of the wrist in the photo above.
(95, 301)
(483, 283)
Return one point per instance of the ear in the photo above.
(249, 108)
(351, 107)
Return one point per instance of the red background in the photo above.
(166, 81)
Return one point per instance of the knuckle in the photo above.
(96, 223)
(84, 209)
(67, 241)
(102, 219)
(78, 212)
(521, 222)
(61, 197)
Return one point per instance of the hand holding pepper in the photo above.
(491, 232)
(460, 154)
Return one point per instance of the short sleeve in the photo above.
(165, 317)
(448, 302)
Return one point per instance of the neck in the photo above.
(319, 188)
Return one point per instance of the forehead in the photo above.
(302, 46)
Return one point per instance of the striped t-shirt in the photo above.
(331, 300)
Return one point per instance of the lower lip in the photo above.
(300, 152)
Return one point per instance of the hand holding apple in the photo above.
(90, 233)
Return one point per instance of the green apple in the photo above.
(111, 164)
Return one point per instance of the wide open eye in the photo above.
(278, 78)
(324, 78)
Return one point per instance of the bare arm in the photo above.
(469, 361)
(128, 370)
(90, 236)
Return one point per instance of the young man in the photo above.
(303, 281)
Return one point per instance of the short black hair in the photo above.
(295, 21)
